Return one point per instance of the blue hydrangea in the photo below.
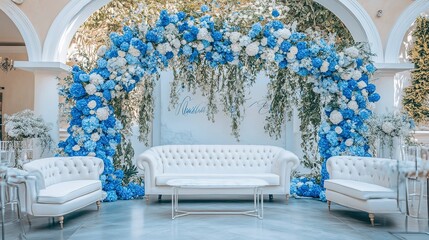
(205, 8)
(77, 90)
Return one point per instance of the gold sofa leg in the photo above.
(61, 220)
(329, 205)
(371, 218)
(98, 205)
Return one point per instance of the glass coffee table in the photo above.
(248, 183)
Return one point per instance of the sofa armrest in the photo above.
(287, 162)
(152, 166)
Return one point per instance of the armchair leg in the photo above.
(98, 205)
(61, 220)
(329, 205)
(287, 198)
(371, 218)
(147, 199)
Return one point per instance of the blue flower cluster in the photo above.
(95, 131)
(307, 187)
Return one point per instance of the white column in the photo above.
(390, 82)
(46, 96)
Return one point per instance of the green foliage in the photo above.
(416, 99)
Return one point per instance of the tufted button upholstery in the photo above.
(188, 161)
(379, 171)
(61, 169)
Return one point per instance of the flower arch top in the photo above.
(188, 43)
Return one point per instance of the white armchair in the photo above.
(62, 185)
(363, 183)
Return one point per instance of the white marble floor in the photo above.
(300, 219)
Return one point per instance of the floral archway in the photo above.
(221, 59)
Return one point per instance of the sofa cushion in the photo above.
(359, 190)
(65, 191)
(272, 179)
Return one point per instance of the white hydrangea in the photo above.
(96, 79)
(293, 50)
(370, 106)
(352, 52)
(101, 51)
(357, 75)
(252, 49)
(353, 105)
(245, 40)
(164, 48)
(95, 137)
(236, 47)
(204, 34)
(387, 127)
(102, 113)
(134, 51)
(92, 104)
(90, 89)
(349, 142)
(290, 56)
(283, 33)
(176, 43)
(234, 37)
(200, 47)
(268, 55)
(338, 130)
(364, 93)
(336, 117)
(76, 148)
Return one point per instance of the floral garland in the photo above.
(225, 55)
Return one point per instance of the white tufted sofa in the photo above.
(62, 185)
(363, 183)
(163, 163)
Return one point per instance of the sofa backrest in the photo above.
(60, 169)
(216, 158)
(380, 171)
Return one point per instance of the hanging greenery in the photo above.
(416, 99)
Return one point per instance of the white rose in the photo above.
(92, 104)
(357, 75)
(338, 130)
(346, 76)
(364, 93)
(134, 51)
(387, 127)
(323, 69)
(121, 54)
(96, 79)
(353, 105)
(361, 84)
(76, 148)
(90, 89)
(293, 50)
(264, 41)
(252, 49)
(95, 137)
(336, 117)
(176, 43)
(102, 113)
(101, 51)
(290, 56)
(349, 142)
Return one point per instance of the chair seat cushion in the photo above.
(272, 179)
(65, 191)
(359, 190)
